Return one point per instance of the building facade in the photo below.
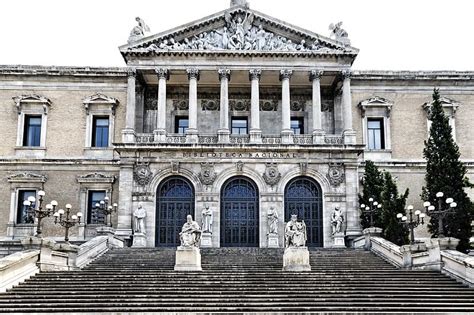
(238, 113)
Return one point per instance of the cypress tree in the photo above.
(372, 187)
(446, 173)
(392, 203)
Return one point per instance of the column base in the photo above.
(159, 135)
(287, 136)
(318, 136)
(349, 136)
(255, 136)
(223, 136)
(192, 136)
(128, 136)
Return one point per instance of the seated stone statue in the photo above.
(190, 234)
(295, 233)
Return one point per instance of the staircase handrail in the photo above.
(17, 267)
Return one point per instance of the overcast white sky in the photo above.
(391, 35)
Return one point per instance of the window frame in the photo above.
(177, 126)
(19, 203)
(26, 131)
(300, 122)
(380, 120)
(94, 144)
(235, 118)
(91, 206)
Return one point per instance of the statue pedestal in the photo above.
(296, 259)
(188, 259)
(206, 239)
(139, 240)
(338, 240)
(273, 240)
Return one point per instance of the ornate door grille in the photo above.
(239, 213)
(174, 201)
(303, 197)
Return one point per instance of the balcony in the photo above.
(238, 140)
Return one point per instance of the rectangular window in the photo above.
(239, 126)
(375, 134)
(100, 132)
(181, 124)
(297, 125)
(32, 132)
(22, 211)
(94, 216)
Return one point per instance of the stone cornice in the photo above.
(63, 71)
(411, 75)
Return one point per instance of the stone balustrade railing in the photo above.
(17, 267)
(458, 265)
(306, 139)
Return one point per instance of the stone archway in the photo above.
(303, 196)
(174, 201)
(239, 213)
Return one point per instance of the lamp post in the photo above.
(370, 209)
(36, 209)
(104, 207)
(412, 223)
(441, 212)
(67, 221)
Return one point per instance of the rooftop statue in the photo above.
(339, 34)
(139, 30)
(239, 2)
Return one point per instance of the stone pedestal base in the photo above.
(273, 241)
(192, 136)
(338, 240)
(255, 136)
(159, 135)
(206, 239)
(368, 232)
(435, 246)
(287, 136)
(139, 240)
(296, 259)
(128, 136)
(318, 137)
(349, 137)
(188, 259)
(223, 136)
(408, 251)
(105, 230)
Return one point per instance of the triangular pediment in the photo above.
(238, 30)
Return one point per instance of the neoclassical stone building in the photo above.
(237, 112)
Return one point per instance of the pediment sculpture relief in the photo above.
(240, 32)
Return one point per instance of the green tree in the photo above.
(446, 173)
(372, 187)
(392, 203)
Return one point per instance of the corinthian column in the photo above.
(286, 132)
(160, 131)
(192, 131)
(349, 134)
(223, 132)
(128, 134)
(318, 133)
(255, 131)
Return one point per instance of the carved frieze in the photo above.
(239, 105)
(208, 175)
(271, 175)
(303, 167)
(297, 105)
(210, 104)
(142, 174)
(100, 99)
(32, 99)
(27, 177)
(181, 104)
(96, 178)
(336, 174)
(175, 167)
(240, 166)
(268, 105)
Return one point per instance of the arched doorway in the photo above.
(239, 213)
(303, 197)
(174, 201)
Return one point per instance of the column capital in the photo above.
(162, 73)
(346, 74)
(255, 74)
(285, 74)
(193, 73)
(224, 73)
(131, 72)
(315, 74)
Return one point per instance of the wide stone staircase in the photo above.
(239, 280)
